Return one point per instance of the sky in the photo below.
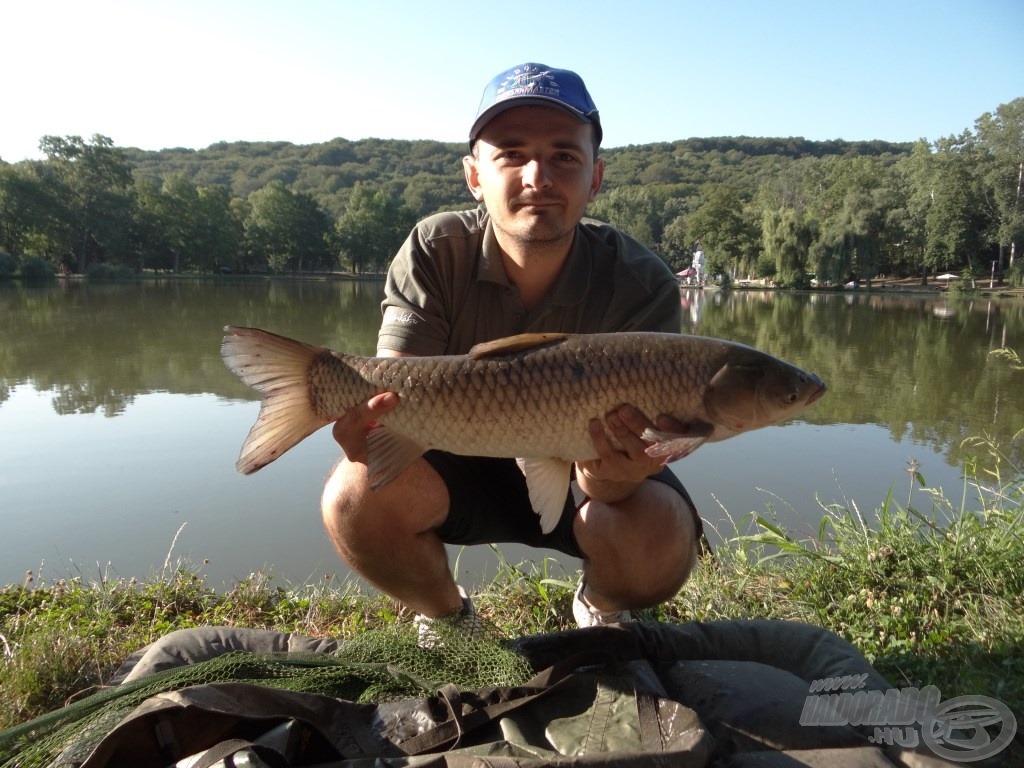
(190, 73)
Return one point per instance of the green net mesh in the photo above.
(379, 665)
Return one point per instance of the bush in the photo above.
(1015, 275)
(109, 272)
(35, 268)
(8, 265)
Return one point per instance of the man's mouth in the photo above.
(536, 203)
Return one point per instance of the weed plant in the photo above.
(931, 590)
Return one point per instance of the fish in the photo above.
(529, 397)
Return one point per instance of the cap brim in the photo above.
(522, 101)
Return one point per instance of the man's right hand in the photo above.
(351, 429)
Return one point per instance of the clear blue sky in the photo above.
(193, 72)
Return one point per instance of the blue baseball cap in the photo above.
(536, 84)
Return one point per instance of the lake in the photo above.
(120, 425)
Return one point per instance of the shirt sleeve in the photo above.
(661, 313)
(415, 320)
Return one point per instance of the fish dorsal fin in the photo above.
(548, 483)
(510, 344)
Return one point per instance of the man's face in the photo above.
(534, 169)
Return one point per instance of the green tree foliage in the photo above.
(1001, 141)
(92, 184)
(634, 210)
(787, 239)
(913, 191)
(758, 205)
(220, 230)
(727, 235)
(371, 229)
(954, 221)
(287, 230)
(26, 208)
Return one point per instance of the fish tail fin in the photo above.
(277, 367)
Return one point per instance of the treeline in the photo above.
(779, 208)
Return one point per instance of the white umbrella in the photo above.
(948, 276)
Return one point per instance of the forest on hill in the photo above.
(763, 207)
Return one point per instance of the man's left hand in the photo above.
(615, 472)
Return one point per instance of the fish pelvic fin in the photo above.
(673, 446)
(277, 367)
(548, 483)
(387, 454)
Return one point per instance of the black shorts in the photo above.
(490, 504)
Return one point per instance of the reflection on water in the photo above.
(120, 422)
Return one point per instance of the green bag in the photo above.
(719, 694)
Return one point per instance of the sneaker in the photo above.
(587, 615)
(464, 622)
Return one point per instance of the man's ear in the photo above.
(597, 179)
(472, 177)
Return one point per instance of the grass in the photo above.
(929, 589)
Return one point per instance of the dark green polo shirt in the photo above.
(447, 289)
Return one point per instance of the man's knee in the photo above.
(648, 545)
(415, 501)
(341, 494)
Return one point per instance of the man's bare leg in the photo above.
(637, 552)
(388, 537)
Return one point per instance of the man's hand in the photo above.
(351, 429)
(615, 474)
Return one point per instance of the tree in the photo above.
(913, 187)
(787, 239)
(26, 208)
(675, 247)
(855, 236)
(634, 210)
(178, 211)
(955, 221)
(92, 182)
(287, 230)
(1001, 140)
(724, 231)
(220, 230)
(371, 229)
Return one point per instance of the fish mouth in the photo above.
(817, 393)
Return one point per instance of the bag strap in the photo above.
(650, 728)
(225, 749)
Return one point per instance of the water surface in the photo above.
(121, 426)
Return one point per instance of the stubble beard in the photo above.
(547, 234)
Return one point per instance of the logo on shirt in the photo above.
(399, 316)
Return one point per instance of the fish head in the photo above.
(754, 390)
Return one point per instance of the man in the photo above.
(526, 261)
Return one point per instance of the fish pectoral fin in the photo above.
(548, 483)
(674, 445)
(387, 454)
(511, 344)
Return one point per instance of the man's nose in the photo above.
(535, 175)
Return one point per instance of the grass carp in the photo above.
(528, 397)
